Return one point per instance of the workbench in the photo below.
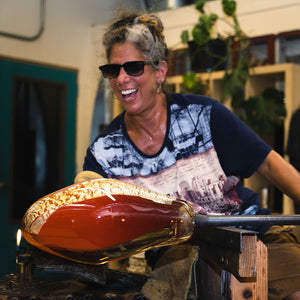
(233, 264)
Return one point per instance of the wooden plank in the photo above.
(256, 289)
(231, 249)
(225, 237)
(247, 258)
(262, 271)
(214, 282)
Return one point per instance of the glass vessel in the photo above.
(101, 220)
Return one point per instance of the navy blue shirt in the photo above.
(205, 147)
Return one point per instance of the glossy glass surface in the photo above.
(106, 228)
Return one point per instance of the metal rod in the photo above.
(40, 29)
(245, 220)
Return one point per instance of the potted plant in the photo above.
(264, 112)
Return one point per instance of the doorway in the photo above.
(37, 142)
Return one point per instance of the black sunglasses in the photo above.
(132, 68)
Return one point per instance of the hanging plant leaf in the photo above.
(201, 32)
(185, 37)
(192, 84)
(229, 7)
(189, 80)
(200, 5)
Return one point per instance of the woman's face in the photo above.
(136, 93)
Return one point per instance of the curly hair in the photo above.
(145, 31)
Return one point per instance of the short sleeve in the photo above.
(91, 164)
(240, 150)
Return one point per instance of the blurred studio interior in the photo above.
(54, 100)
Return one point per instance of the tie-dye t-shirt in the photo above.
(205, 150)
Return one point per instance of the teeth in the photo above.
(127, 92)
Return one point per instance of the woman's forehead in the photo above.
(127, 51)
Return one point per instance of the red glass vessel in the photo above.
(104, 219)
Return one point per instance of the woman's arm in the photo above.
(282, 174)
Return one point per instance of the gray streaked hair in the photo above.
(145, 31)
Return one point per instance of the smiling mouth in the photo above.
(128, 93)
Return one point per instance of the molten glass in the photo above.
(102, 220)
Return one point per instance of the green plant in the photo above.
(236, 73)
(264, 113)
(236, 70)
(192, 84)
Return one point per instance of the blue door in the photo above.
(37, 142)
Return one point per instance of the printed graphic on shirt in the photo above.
(199, 180)
(187, 167)
(189, 134)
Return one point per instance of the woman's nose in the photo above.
(123, 76)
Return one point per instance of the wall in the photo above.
(66, 42)
(262, 17)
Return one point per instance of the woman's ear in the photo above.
(161, 73)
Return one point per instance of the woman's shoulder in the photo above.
(186, 99)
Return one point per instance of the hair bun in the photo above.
(151, 20)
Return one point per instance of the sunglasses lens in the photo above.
(110, 71)
(134, 68)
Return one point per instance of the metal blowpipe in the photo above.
(202, 221)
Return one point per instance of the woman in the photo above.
(189, 146)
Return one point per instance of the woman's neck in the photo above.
(148, 130)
